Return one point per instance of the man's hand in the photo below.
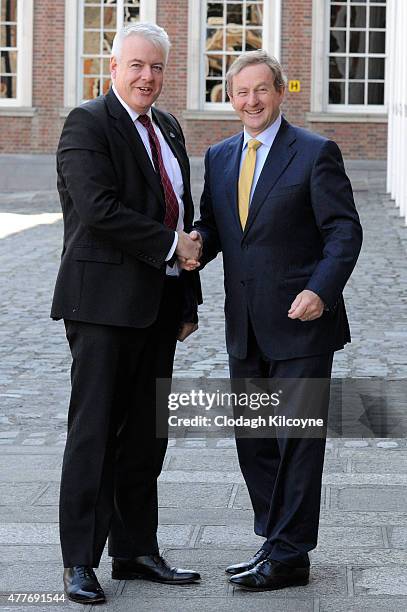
(307, 306)
(185, 330)
(189, 250)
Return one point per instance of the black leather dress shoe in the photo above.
(270, 575)
(238, 568)
(82, 586)
(151, 567)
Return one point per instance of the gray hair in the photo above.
(250, 58)
(150, 31)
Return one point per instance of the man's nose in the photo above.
(253, 98)
(147, 73)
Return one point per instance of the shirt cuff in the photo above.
(172, 250)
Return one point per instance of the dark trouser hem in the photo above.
(287, 557)
(143, 553)
(67, 565)
(71, 562)
(135, 552)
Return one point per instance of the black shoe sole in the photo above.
(240, 571)
(273, 588)
(123, 576)
(99, 600)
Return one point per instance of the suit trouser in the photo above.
(283, 474)
(112, 457)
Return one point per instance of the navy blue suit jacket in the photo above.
(302, 232)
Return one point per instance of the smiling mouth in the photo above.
(145, 89)
(254, 113)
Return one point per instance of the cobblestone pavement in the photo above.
(205, 518)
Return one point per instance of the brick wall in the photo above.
(296, 56)
(356, 140)
(39, 134)
(173, 16)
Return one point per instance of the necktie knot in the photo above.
(254, 144)
(145, 120)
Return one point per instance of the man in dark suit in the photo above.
(278, 205)
(124, 185)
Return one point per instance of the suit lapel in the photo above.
(232, 167)
(278, 159)
(173, 142)
(128, 131)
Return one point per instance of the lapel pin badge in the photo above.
(172, 135)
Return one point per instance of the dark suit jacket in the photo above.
(302, 232)
(115, 242)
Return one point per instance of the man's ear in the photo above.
(113, 65)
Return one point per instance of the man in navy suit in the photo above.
(278, 205)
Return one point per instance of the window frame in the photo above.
(357, 108)
(320, 69)
(196, 52)
(23, 99)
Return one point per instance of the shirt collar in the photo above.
(267, 136)
(134, 116)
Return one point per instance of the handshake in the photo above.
(189, 250)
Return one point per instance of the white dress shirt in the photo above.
(171, 166)
(266, 138)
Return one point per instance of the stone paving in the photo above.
(205, 517)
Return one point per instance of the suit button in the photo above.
(243, 283)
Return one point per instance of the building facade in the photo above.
(54, 54)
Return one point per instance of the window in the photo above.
(356, 54)
(101, 20)
(15, 52)
(218, 32)
(90, 26)
(230, 29)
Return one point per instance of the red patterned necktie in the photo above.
(171, 202)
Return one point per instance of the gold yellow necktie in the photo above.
(246, 179)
